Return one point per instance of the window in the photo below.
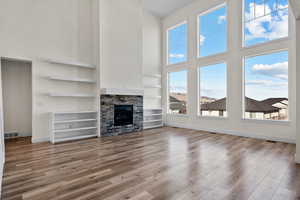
(177, 44)
(178, 92)
(212, 38)
(266, 87)
(265, 20)
(212, 90)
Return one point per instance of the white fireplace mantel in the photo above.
(122, 91)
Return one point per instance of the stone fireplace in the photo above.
(121, 114)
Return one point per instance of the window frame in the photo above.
(168, 91)
(244, 46)
(199, 115)
(267, 52)
(167, 43)
(198, 56)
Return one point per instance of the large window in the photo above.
(177, 44)
(212, 80)
(266, 87)
(178, 92)
(212, 38)
(265, 20)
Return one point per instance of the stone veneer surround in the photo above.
(107, 114)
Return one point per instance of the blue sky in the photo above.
(213, 32)
(266, 76)
(213, 81)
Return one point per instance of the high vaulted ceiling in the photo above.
(163, 8)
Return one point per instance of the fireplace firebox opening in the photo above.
(123, 115)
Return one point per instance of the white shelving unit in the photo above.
(74, 125)
(78, 95)
(80, 80)
(68, 126)
(153, 118)
(68, 63)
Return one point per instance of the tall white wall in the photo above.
(234, 124)
(297, 53)
(121, 43)
(151, 58)
(17, 97)
(59, 29)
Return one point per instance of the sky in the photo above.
(265, 76)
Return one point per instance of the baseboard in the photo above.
(39, 140)
(235, 133)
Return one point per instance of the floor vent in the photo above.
(10, 135)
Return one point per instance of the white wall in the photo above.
(53, 29)
(17, 97)
(297, 49)
(2, 148)
(234, 124)
(151, 58)
(121, 44)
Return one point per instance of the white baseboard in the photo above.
(249, 135)
(39, 140)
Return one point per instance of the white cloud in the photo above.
(201, 39)
(176, 55)
(267, 83)
(259, 82)
(221, 19)
(266, 27)
(277, 70)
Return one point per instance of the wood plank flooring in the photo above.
(166, 163)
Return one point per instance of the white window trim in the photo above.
(199, 91)
(244, 86)
(167, 43)
(198, 56)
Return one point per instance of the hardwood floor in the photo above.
(167, 163)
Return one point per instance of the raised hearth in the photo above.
(121, 114)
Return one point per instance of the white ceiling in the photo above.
(163, 8)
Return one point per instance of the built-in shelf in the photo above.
(79, 95)
(75, 112)
(69, 63)
(152, 97)
(153, 86)
(152, 75)
(150, 115)
(152, 127)
(150, 121)
(80, 80)
(68, 126)
(74, 129)
(74, 121)
(75, 138)
(153, 118)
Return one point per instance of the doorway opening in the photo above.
(16, 80)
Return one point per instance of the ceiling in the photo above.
(163, 8)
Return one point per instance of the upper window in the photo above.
(266, 87)
(265, 20)
(177, 44)
(178, 92)
(212, 38)
(213, 81)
